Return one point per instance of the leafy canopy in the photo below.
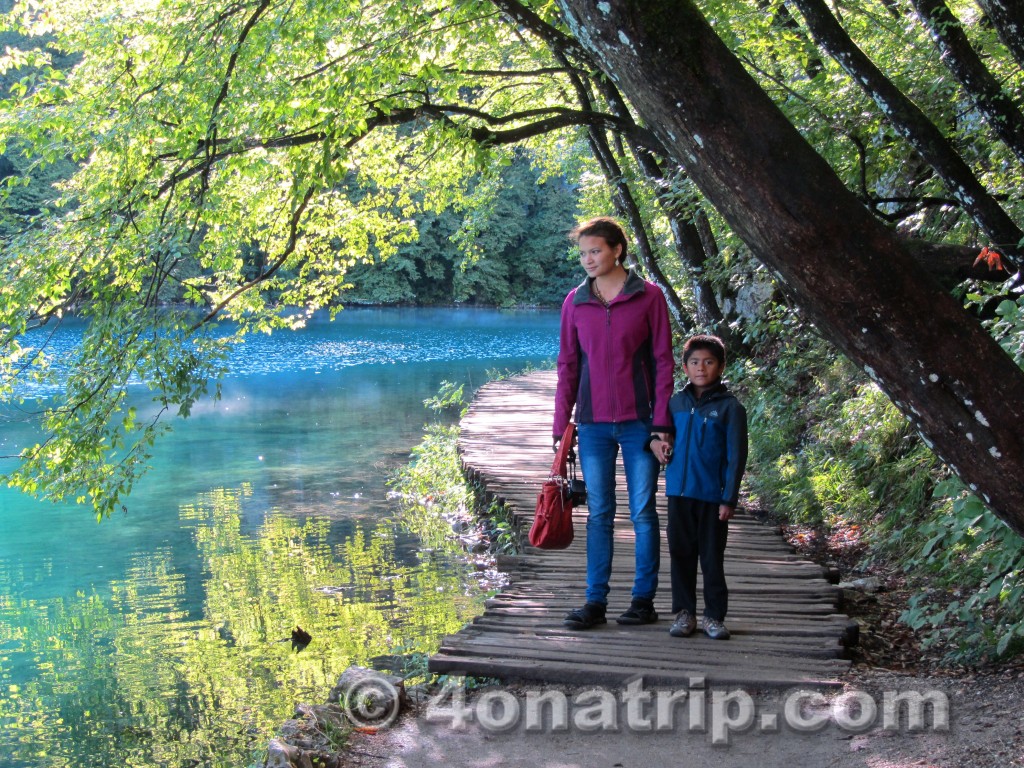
(243, 158)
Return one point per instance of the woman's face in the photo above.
(597, 256)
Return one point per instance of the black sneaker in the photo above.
(590, 615)
(641, 611)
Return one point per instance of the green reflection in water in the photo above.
(172, 685)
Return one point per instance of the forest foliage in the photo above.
(263, 160)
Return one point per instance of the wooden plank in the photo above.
(547, 650)
(781, 632)
(612, 675)
(653, 649)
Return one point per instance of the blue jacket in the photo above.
(615, 363)
(710, 452)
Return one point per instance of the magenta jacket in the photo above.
(615, 363)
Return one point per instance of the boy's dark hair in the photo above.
(704, 341)
(606, 227)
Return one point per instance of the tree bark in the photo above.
(914, 126)
(627, 208)
(689, 246)
(852, 275)
(1003, 117)
(783, 19)
(691, 251)
(950, 265)
(1007, 16)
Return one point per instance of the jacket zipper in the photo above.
(686, 442)
(609, 364)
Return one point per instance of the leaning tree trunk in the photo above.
(913, 125)
(690, 248)
(852, 274)
(1003, 117)
(1007, 17)
(602, 151)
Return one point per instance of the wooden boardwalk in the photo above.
(786, 630)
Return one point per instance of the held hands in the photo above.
(661, 447)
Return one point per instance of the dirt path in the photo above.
(985, 728)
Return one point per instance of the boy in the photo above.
(702, 482)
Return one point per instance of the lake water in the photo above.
(160, 636)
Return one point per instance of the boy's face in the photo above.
(703, 369)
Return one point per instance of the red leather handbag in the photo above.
(552, 522)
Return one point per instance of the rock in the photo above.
(310, 739)
(869, 584)
(419, 695)
(281, 755)
(290, 729)
(364, 699)
(370, 699)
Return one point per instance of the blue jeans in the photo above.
(598, 449)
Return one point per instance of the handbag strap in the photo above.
(558, 466)
(572, 464)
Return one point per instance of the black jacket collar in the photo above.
(585, 291)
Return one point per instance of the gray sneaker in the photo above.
(715, 629)
(683, 625)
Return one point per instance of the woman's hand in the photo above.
(556, 441)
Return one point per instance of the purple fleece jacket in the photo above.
(615, 363)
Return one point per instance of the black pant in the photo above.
(695, 532)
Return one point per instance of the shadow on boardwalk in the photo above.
(786, 629)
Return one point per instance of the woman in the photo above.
(615, 366)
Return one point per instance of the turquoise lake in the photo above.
(160, 636)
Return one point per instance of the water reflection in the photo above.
(140, 677)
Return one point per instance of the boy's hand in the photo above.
(725, 512)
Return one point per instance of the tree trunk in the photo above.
(602, 151)
(626, 207)
(783, 19)
(690, 248)
(852, 275)
(1007, 16)
(984, 90)
(914, 126)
